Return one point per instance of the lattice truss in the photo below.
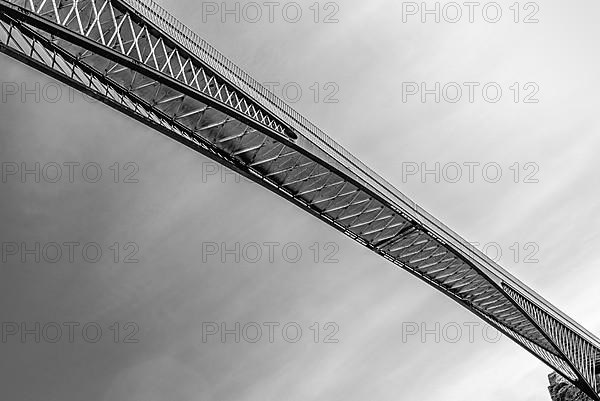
(121, 57)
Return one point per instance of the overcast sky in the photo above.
(178, 206)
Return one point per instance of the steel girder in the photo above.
(135, 57)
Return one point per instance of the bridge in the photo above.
(138, 59)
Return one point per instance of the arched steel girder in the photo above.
(135, 57)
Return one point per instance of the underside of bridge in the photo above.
(138, 59)
(562, 390)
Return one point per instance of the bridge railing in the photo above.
(272, 103)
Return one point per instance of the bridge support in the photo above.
(562, 390)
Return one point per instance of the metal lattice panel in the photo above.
(142, 62)
(581, 355)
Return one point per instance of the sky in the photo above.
(369, 331)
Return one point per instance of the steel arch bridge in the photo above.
(135, 57)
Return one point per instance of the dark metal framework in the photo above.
(138, 59)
